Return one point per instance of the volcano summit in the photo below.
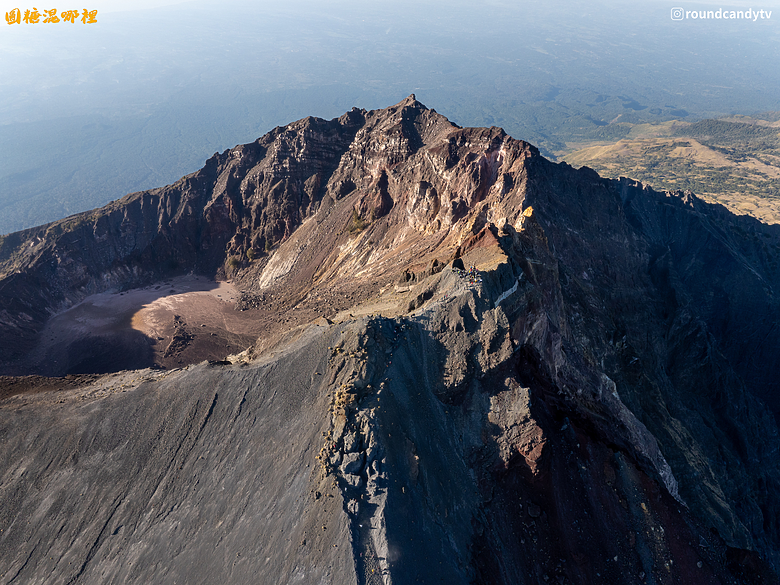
(387, 349)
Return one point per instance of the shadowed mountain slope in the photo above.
(473, 366)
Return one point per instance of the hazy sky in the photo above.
(102, 6)
(131, 60)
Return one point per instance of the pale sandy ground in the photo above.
(206, 307)
(198, 301)
(107, 312)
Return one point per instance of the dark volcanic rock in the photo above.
(549, 377)
(213, 483)
(181, 337)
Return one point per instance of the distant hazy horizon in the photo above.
(90, 112)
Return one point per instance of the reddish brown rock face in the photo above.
(452, 360)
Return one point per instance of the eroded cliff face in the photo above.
(595, 400)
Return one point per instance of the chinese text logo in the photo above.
(15, 16)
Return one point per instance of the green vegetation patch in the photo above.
(356, 223)
(730, 135)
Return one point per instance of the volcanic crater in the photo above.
(387, 349)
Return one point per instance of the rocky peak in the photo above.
(579, 364)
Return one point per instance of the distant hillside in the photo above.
(734, 161)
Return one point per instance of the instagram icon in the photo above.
(678, 13)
